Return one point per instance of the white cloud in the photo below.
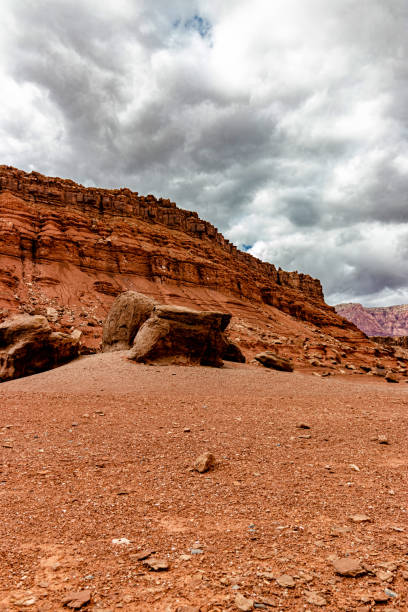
(284, 122)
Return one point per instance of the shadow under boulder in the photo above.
(28, 346)
(174, 334)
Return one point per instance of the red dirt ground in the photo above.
(101, 449)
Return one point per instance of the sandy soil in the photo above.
(102, 449)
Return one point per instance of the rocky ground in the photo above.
(97, 491)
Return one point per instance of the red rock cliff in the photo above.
(70, 249)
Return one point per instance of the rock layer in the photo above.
(66, 251)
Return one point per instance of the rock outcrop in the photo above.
(67, 251)
(179, 335)
(28, 345)
(381, 321)
(128, 313)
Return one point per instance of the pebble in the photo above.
(348, 567)
(315, 599)
(121, 541)
(157, 565)
(286, 581)
(383, 440)
(243, 604)
(303, 426)
(196, 551)
(354, 467)
(204, 462)
(385, 576)
(76, 599)
(360, 518)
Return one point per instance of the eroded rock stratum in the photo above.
(67, 251)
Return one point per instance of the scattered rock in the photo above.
(391, 378)
(315, 599)
(76, 600)
(144, 554)
(157, 565)
(121, 541)
(243, 604)
(348, 567)
(204, 462)
(273, 361)
(286, 581)
(360, 518)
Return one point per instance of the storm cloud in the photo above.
(284, 123)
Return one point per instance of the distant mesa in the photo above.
(379, 321)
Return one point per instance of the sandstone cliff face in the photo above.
(66, 251)
(386, 321)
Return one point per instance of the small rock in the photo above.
(76, 600)
(348, 567)
(338, 531)
(390, 593)
(143, 554)
(243, 604)
(354, 467)
(204, 462)
(391, 378)
(121, 541)
(360, 518)
(380, 597)
(303, 426)
(196, 551)
(286, 581)
(157, 565)
(315, 599)
(383, 439)
(385, 576)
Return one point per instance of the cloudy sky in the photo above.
(283, 122)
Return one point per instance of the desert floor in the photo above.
(101, 450)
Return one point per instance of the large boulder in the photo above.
(128, 313)
(28, 345)
(180, 335)
(271, 360)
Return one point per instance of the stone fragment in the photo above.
(286, 581)
(273, 361)
(383, 439)
(76, 599)
(128, 313)
(360, 518)
(303, 426)
(391, 377)
(315, 599)
(204, 462)
(380, 597)
(348, 567)
(121, 542)
(144, 554)
(156, 564)
(385, 575)
(243, 604)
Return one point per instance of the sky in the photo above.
(282, 122)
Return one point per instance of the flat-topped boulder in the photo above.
(28, 345)
(128, 313)
(174, 334)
